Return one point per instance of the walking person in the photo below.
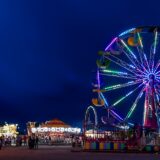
(73, 142)
(36, 142)
(24, 140)
(1, 142)
(33, 140)
(29, 142)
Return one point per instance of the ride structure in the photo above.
(128, 75)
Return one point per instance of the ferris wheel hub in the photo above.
(151, 76)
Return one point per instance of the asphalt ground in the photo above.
(65, 153)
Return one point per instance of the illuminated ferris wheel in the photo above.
(129, 76)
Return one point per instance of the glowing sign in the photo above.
(56, 129)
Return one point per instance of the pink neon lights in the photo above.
(111, 43)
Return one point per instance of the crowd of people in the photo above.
(77, 141)
(54, 139)
(13, 140)
(18, 141)
(33, 142)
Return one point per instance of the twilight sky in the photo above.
(48, 50)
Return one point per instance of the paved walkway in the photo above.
(64, 153)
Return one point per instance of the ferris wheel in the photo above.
(128, 76)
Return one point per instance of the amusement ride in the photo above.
(128, 81)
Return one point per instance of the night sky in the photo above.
(48, 52)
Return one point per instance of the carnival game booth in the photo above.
(100, 133)
(53, 132)
(109, 135)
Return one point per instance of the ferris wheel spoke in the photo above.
(158, 74)
(157, 101)
(144, 62)
(110, 110)
(114, 114)
(118, 86)
(119, 74)
(157, 90)
(140, 40)
(153, 51)
(124, 97)
(157, 109)
(157, 97)
(104, 99)
(122, 63)
(131, 56)
(157, 66)
(142, 55)
(140, 49)
(134, 104)
(114, 39)
(158, 80)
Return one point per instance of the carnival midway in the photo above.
(124, 114)
(52, 132)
